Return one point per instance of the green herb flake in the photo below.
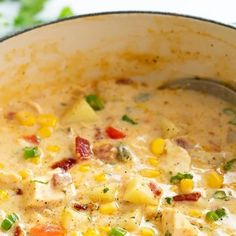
(39, 181)
(95, 102)
(123, 154)
(31, 152)
(221, 195)
(105, 190)
(126, 118)
(232, 113)
(65, 12)
(117, 231)
(177, 178)
(229, 165)
(169, 200)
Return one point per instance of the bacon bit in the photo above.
(154, 189)
(124, 81)
(187, 197)
(19, 191)
(182, 143)
(80, 207)
(105, 152)
(18, 231)
(98, 134)
(64, 164)
(10, 115)
(34, 139)
(84, 207)
(114, 133)
(82, 148)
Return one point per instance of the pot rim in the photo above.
(14, 34)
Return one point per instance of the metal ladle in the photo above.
(213, 87)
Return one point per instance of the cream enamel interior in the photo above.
(148, 48)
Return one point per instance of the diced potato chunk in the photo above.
(130, 221)
(71, 219)
(175, 160)
(9, 178)
(168, 128)
(41, 191)
(175, 223)
(80, 111)
(137, 191)
(103, 193)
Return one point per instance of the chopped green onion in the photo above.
(95, 102)
(105, 190)
(65, 12)
(216, 215)
(123, 154)
(129, 120)
(177, 178)
(229, 165)
(9, 221)
(31, 152)
(117, 231)
(39, 181)
(169, 200)
(221, 195)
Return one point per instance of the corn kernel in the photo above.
(214, 179)
(195, 213)
(104, 230)
(100, 177)
(158, 146)
(186, 185)
(145, 231)
(47, 120)
(153, 161)
(108, 208)
(84, 167)
(3, 195)
(35, 160)
(25, 174)
(149, 173)
(74, 233)
(91, 232)
(53, 148)
(1, 165)
(25, 118)
(45, 132)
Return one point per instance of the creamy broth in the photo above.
(132, 159)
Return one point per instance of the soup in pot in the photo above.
(116, 157)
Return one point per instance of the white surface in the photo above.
(223, 11)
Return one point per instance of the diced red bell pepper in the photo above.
(34, 139)
(191, 197)
(64, 164)
(154, 189)
(114, 133)
(82, 148)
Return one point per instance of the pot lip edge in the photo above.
(186, 16)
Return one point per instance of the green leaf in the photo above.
(65, 12)
(177, 178)
(28, 10)
(229, 165)
(129, 120)
(95, 102)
